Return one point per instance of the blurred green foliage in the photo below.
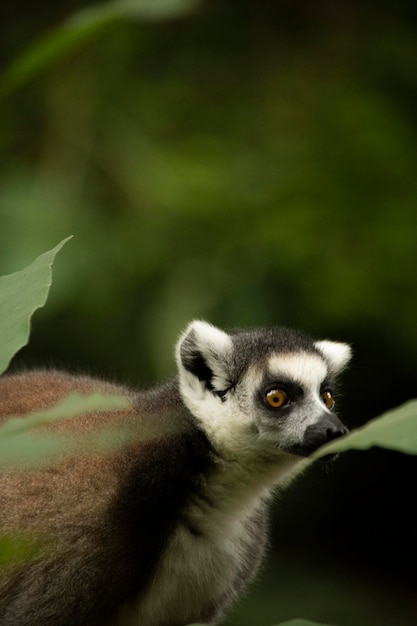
(250, 163)
(21, 447)
(15, 549)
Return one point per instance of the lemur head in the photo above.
(261, 393)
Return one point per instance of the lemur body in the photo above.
(167, 528)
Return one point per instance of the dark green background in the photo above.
(252, 163)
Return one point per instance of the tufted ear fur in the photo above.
(336, 354)
(203, 357)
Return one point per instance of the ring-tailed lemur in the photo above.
(167, 528)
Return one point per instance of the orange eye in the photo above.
(276, 398)
(328, 399)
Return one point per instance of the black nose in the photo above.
(326, 429)
(336, 430)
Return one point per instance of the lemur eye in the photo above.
(328, 400)
(276, 398)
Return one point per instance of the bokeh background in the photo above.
(250, 163)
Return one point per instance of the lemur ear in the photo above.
(337, 355)
(203, 353)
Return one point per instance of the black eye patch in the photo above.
(293, 390)
(326, 385)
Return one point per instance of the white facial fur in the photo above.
(306, 369)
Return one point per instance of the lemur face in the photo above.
(292, 401)
(261, 393)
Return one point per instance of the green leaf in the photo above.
(81, 28)
(21, 294)
(395, 430)
(21, 448)
(71, 406)
(15, 549)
